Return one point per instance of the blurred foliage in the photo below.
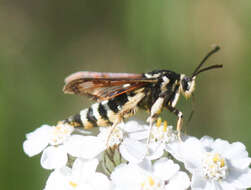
(44, 41)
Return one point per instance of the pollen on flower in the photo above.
(214, 166)
(73, 184)
(165, 126)
(162, 133)
(60, 133)
(152, 183)
(159, 122)
(165, 123)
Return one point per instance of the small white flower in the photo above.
(89, 147)
(134, 148)
(161, 136)
(162, 175)
(82, 176)
(115, 136)
(86, 147)
(50, 140)
(215, 164)
(37, 140)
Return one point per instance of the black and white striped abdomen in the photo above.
(103, 113)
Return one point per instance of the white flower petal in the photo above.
(207, 141)
(146, 164)
(221, 146)
(190, 152)
(100, 181)
(139, 135)
(127, 176)
(165, 168)
(180, 181)
(243, 181)
(132, 126)
(42, 132)
(155, 150)
(54, 157)
(33, 147)
(87, 147)
(238, 155)
(227, 186)
(58, 179)
(132, 150)
(37, 140)
(84, 186)
(198, 182)
(84, 168)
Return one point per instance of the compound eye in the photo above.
(186, 83)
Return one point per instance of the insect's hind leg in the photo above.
(179, 114)
(114, 125)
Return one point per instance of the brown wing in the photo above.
(88, 74)
(104, 86)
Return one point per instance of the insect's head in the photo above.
(187, 85)
(188, 82)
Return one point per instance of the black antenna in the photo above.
(208, 68)
(217, 48)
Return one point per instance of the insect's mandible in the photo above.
(119, 95)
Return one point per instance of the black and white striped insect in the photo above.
(119, 95)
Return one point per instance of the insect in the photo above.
(119, 95)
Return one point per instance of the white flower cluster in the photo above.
(123, 160)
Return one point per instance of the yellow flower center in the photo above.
(162, 133)
(214, 166)
(60, 133)
(73, 184)
(151, 183)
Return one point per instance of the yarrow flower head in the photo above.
(162, 175)
(82, 176)
(46, 135)
(215, 164)
(111, 138)
(130, 161)
(161, 133)
(50, 140)
(135, 148)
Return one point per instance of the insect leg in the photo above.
(155, 111)
(179, 114)
(114, 125)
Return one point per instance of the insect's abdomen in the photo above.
(104, 113)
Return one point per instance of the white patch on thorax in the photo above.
(164, 83)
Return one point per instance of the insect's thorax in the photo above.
(168, 85)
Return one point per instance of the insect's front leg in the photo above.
(179, 114)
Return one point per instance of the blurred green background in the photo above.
(41, 42)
